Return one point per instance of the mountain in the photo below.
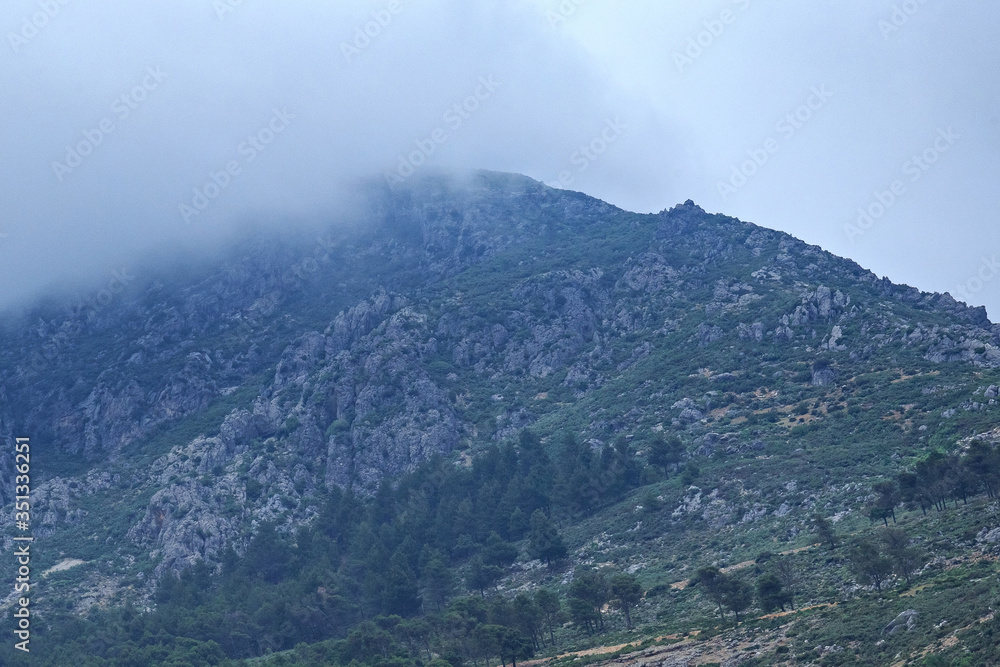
(346, 417)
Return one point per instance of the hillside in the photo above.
(333, 439)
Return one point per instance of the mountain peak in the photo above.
(468, 313)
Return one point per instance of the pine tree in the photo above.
(665, 453)
(401, 592)
(982, 460)
(869, 564)
(737, 594)
(905, 558)
(712, 581)
(545, 541)
(825, 531)
(482, 576)
(549, 603)
(513, 645)
(498, 552)
(439, 584)
(627, 592)
(529, 618)
(771, 593)
(590, 587)
(784, 569)
(888, 497)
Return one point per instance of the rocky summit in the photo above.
(481, 419)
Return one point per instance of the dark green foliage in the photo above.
(737, 594)
(982, 460)
(666, 453)
(825, 531)
(416, 634)
(784, 570)
(550, 606)
(690, 474)
(711, 581)
(651, 502)
(626, 593)
(725, 590)
(887, 498)
(868, 563)
(512, 644)
(393, 556)
(583, 614)
(529, 618)
(267, 556)
(439, 582)
(482, 576)
(498, 552)
(771, 593)
(588, 593)
(401, 592)
(897, 547)
(545, 541)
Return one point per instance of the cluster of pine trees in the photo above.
(929, 485)
(475, 630)
(774, 589)
(874, 559)
(940, 477)
(430, 549)
(413, 572)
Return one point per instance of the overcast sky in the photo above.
(868, 127)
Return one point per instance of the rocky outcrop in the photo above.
(906, 620)
(460, 314)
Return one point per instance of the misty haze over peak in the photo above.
(134, 124)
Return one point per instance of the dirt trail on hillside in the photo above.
(725, 649)
(681, 585)
(730, 646)
(598, 650)
(692, 652)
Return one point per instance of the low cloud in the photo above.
(129, 123)
(134, 123)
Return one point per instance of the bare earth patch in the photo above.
(63, 565)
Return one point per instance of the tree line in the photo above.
(773, 590)
(929, 485)
(430, 548)
(938, 479)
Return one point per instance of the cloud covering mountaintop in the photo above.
(135, 123)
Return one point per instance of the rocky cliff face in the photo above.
(460, 313)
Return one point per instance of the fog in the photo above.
(129, 124)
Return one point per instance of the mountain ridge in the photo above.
(178, 420)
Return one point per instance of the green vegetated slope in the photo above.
(504, 421)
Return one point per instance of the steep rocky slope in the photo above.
(172, 420)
